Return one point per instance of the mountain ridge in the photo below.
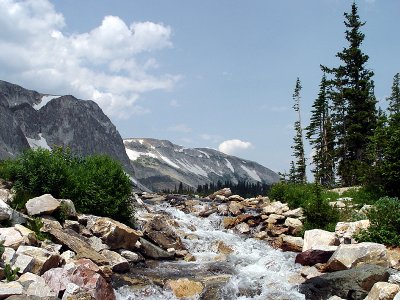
(162, 165)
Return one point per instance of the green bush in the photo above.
(96, 184)
(318, 212)
(385, 223)
(362, 195)
(295, 195)
(313, 199)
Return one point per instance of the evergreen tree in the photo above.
(353, 102)
(320, 134)
(394, 99)
(298, 146)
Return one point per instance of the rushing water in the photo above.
(257, 270)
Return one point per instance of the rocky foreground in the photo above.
(91, 257)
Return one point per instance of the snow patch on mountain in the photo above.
(168, 161)
(45, 99)
(193, 168)
(229, 165)
(252, 173)
(40, 143)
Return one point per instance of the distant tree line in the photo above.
(353, 142)
(243, 188)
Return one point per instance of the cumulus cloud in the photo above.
(102, 64)
(234, 146)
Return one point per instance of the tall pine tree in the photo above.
(298, 146)
(320, 134)
(353, 103)
(394, 99)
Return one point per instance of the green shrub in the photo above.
(318, 212)
(10, 273)
(35, 224)
(96, 184)
(362, 195)
(295, 195)
(385, 223)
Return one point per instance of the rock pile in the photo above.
(85, 255)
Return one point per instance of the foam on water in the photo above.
(261, 272)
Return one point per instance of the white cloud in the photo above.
(234, 146)
(180, 128)
(101, 64)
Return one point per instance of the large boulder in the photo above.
(150, 250)
(348, 284)
(383, 291)
(295, 225)
(11, 237)
(118, 263)
(185, 288)
(75, 242)
(291, 243)
(276, 207)
(115, 234)
(86, 277)
(311, 257)
(348, 256)
(43, 259)
(316, 238)
(10, 288)
(35, 286)
(160, 232)
(45, 204)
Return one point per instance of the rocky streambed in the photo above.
(220, 247)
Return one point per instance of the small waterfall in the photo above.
(257, 271)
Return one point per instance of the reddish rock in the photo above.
(84, 274)
(312, 257)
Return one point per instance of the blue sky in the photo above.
(209, 73)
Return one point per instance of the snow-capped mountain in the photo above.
(160, 164)
(31, 119)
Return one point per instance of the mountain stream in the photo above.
(253, 269)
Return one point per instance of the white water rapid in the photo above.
(258, 271)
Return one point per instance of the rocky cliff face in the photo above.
(31, 119)
(160, 164)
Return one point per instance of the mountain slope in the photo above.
(160, 164)
(31, 119)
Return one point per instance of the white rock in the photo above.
(346, 230)
(348, 256)
(11, 237)
(243, 228)
(315, 238)
(383, 291)
(10, 288)
(294, 225)
(45, 204)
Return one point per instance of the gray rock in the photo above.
(349, 284)
(10, 288)
(118, 263)
(45, 204)
(132, 256)
(150, 250)
(351, 255)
